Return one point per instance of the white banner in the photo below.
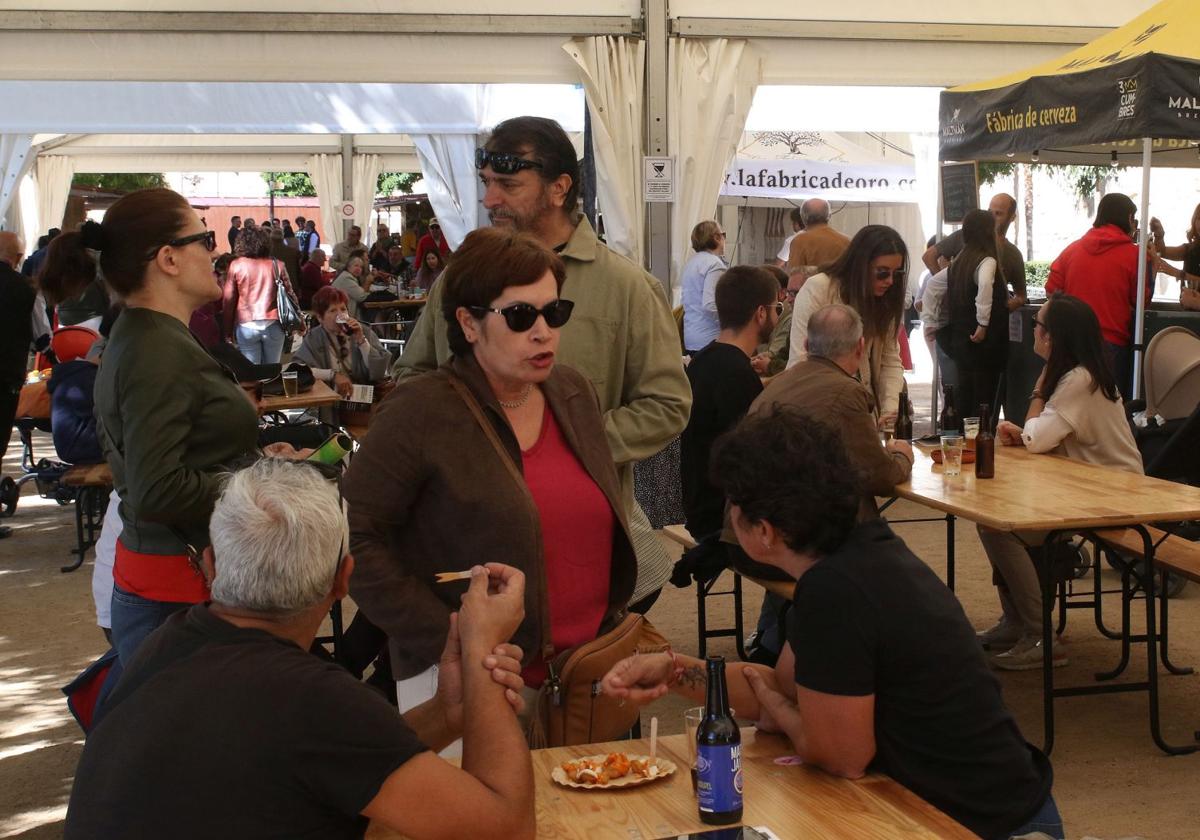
(800, 179)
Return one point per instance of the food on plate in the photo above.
(614, 766)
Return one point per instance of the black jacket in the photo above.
(16, 328)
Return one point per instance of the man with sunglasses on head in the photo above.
(224, 725)
(621, 336)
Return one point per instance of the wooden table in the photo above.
(318, 396)
(793, 801)
(1063, 497)
(398, 303)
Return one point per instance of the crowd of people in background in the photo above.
(543, 367)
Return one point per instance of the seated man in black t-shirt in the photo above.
(723, 386)
(881, 671)
(224, 725)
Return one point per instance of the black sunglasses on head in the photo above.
(521, 317)
(503, 164)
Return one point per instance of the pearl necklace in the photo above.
(517, 403)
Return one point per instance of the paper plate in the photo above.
(968, 456)
(665, 768)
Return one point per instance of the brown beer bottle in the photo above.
(904, 427)
(985, 445)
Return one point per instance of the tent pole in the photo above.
(934, 392)
(1139, 326)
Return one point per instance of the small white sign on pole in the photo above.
(347, 209)
(658, 179)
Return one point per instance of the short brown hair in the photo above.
(254, 242)
(704, 236)
(128, 239)
(327, 296)
(489, 261)
(740, 292)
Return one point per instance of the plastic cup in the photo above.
(291, 383)
(952, 448)
(970, 427)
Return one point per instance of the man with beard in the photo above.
(621, 335)
(724, 385)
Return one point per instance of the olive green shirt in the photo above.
(169, 418)
(621, 336)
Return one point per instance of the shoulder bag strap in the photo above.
(488, 429)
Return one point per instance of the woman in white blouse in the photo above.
(974, 291)
(870, 277)
(1075, 411)
(699, 283)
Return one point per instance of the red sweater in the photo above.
(1101, 270)
(577, 541)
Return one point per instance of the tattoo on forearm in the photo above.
(693, 676)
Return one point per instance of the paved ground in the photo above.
(1111, 782)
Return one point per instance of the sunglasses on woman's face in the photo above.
(503, 164)
(209, 238)
(521, 317)
(883, 273)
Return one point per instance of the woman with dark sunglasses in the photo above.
(169, 416)
(500, 454)
(977, 301)
(870, 278)
(1075, 411)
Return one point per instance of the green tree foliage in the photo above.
(1085, 182)
(990, 173)
(119, 181)
(299, 184)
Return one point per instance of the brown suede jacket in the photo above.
(428, 493)
(825, 392)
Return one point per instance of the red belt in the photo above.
(159, 577)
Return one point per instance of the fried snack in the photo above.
(617, 765)
(640, 768)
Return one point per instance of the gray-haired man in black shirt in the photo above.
(224, 725)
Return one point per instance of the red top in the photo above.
(577, 541)
(159, 577)
(428, 243)
(1101, 270)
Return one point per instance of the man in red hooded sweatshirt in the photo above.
(1101, 269)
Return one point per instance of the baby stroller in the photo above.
(1166, 426)
(68, 343)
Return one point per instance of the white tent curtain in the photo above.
(612, 71)
(15, 160)
(54, 175)
(711, 87)
(326, 174)
(448, 167)
(365, 177)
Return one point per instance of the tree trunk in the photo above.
(1027, 170)
(1016, 191)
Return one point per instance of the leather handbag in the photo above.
(570, 707)
(288, 309)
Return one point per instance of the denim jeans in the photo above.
(1046, 820)
(261, 345)
(134, 618)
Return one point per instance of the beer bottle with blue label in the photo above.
(718, 754)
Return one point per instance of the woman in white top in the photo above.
(699, 282)
(1075, 411)
(974, 291)
(869, 277)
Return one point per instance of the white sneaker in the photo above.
(1001, 636)
(1026, 655)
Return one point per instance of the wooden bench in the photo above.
(1172, 554)
(784, 589)
(94, 483)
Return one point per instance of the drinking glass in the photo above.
(952, 447)
(970, 427)
(291, 383)
(691, 722)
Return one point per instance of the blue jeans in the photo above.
(261, 345)
(1046, 820)
(134, 618)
